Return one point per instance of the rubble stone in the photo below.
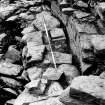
(33, 84)
(24, 97)
(28, 30)
(98, 42)
(65, 95)
(10, 69)
(55, 89)
(5, 95)
(35, 37)
(52, 74)
(54, 101)
(50, 101)
(36, 52)
(5, 11)
(2, 36)
(93, 85)
(12, 18)
(85, 41)
(13, 54)
(68, 11)
(67, 100)
(85, 27)
(84, 90)
(34, 73)
(51, 22)
(31, 2)
(26, 16)
(10, 102)
(80, 14)
(102, 75)
(70, 71)
(80, 3)
(11, 82)
(11, 91)
(102, 6)
(35, 9)
(57, 32)
(60, 58)
(36, 87)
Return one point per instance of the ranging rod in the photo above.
(49, 43)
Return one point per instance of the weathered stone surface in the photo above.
(93, 85)
(51, 22)
(28, 30)
(70, 71)
(5, 11)
(10, 69)
(98, 42)
(85, 41)
(42, 85)
(2, 36)
(68, 11)
(24, 52)
(11, 82)
(85, 67)
(57, 32)
(34, 73)
(59, 45)
(52, 74)
(55, 89)
(80, 14)
(24, 75)
(32, 84)
(11, 91)
(102, 75)
(85, 27)
(24, 97)
(5, 95)
(72, 96)
(50, 101)
(80, 3)
(27, 16)
(12, 18)
(36, 52)
(35, 37)
(67, 100)
(60, 58)
(102, 6)
(35, 9)
(54, 101)
(13, 54)
(31, 2)
(10, 102)
(87, 51)
(36, 87)
(39, 103)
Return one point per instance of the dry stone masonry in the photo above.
(75, 37)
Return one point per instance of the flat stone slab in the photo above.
(36, 52)
(51, 22)
(60, 58)
(57, 33)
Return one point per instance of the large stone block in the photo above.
(10, 69)
(51, 22)
(60, 58)
(36, 52)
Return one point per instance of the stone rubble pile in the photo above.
(27, 72)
